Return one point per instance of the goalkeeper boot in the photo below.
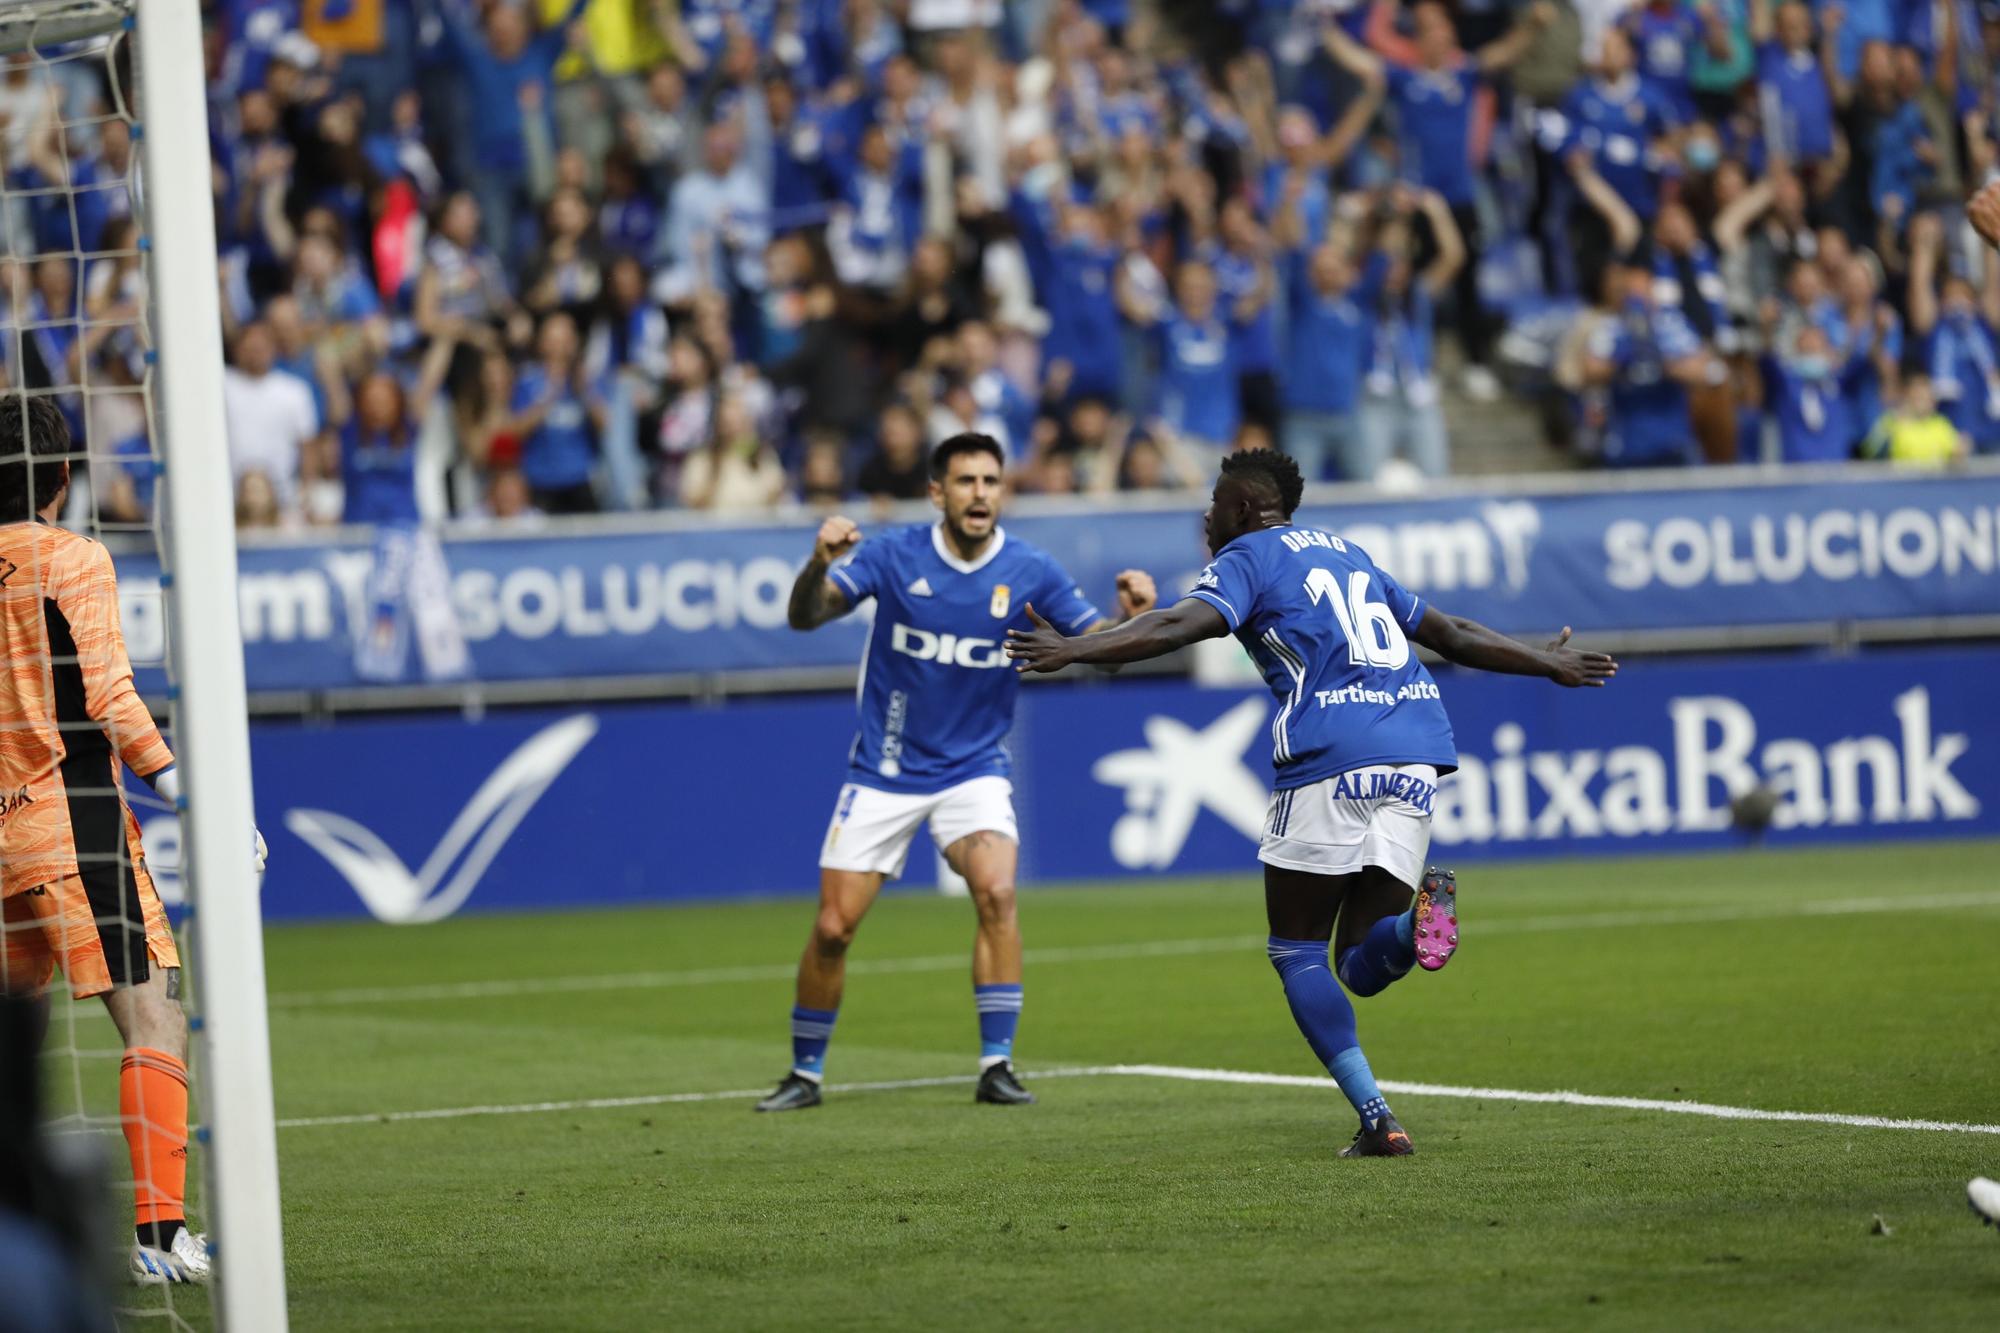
(1436, 911)
(999, 1087)
(796, 1093)
(1983, 1197)
(1384, 1138)
(187, 1259)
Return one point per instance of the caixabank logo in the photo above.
(1894, 764)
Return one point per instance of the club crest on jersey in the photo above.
(1001, 602)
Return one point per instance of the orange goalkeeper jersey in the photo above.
(68, 708)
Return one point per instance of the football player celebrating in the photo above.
(1360, 740)
(936, 701)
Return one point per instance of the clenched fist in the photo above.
(1984, 210)
(837, 536)
(1136, 594)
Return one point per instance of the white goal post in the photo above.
(212, 727)
(236, 1144)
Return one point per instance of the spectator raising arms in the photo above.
(1444, 111)
(1400, 411)
(1958, 319)
(558, 412)
(378, 423)
(1647, 358)
(1121, 238)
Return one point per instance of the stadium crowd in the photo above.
(523, 257)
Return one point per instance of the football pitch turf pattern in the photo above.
(1851, 981)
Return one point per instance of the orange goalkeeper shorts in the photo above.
(104, 928)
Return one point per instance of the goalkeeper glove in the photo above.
(167, 782)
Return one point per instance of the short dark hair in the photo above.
(1270, 471)
(32, 429)
(968, 442)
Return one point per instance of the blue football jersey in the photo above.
(937, 690)
(1329, 629)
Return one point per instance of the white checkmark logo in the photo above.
(386, 885)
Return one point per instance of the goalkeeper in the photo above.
(73, 881)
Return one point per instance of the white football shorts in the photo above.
(1376, 816)
(871, 829)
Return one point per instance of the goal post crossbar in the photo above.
(25, 24)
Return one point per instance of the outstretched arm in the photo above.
(1154, 634)
(816, 598)
(1469, 643)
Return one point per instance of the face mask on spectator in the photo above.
(1812, 366)
(1703, 154)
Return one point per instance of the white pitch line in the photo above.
(1770, 910)
(1708, 1110)
(654, 1099)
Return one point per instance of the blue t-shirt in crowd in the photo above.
(1315, 201)
(1434, 122)
(1665, 45)
(1796, 102)
(499, 142)
(1813, 425)
(630, 226)
(937, 691)
(379, 474)
(802, 170)
(1328, 335)
(1253, 341)
(708, 21)
(1964, 361)
(558, 453)
(1330, 631)
(1896, 168)
(1083, 307)
(1861, 383)
(1649, 409)
(1198, 393)
(1617, 124)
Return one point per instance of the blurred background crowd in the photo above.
(509, 258)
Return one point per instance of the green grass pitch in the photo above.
(1857, 980)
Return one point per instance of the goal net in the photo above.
(108, 314)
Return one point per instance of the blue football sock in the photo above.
(812, 1029)
(1386, 953)
(999, 1014)
(1318, 1005)
(1324, 1014)
(1350, 1070)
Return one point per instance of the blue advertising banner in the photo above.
(414, 818)
(597, 603)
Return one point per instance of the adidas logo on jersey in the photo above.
(921, 588)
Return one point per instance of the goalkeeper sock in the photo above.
(999, 1008)
(153, 1104)
(812, 1029)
